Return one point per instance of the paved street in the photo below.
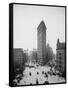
(39, 75)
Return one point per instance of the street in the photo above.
(39, 75)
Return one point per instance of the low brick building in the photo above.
(18, 57)
(19, 60)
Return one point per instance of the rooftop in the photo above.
(42, 24)
(61, 45)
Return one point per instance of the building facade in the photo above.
(17, 57)
(41, 33)
(60, 56)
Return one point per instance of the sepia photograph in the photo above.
(38, 44)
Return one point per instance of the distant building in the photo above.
(60, 55)
(41, 31)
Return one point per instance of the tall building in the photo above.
(41, 31)
(60, 55)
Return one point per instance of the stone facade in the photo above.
(41, 31)
(60, 56)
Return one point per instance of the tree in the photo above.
(49, 53)
(25, 58)
(34, 56)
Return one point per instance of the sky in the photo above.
(26, 19)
